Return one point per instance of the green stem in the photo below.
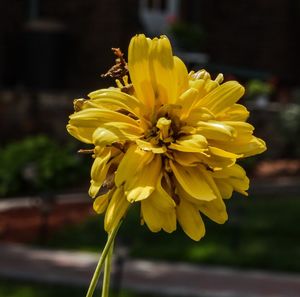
(104, 253)
(107, 270)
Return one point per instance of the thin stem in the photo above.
(104, 253)
(107, 270)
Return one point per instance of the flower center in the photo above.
(165, 131)
(165, 126)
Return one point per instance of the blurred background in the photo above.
(54, 51)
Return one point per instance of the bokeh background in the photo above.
(54, 51)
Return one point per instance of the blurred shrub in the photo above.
(256, 87)
(188, 36)
(290, 128)
(259, 92)
(39, 164)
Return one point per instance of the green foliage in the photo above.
(10, 288)
(189, 37)
(290, 119)
(255, 236)
(39, 164)
(257, 87)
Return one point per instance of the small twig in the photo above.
(120, 68)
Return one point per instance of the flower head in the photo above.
(168, 139)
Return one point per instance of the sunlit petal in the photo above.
(138, 65)
(222, 97)
(162, 70)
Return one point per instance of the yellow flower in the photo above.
(169, 140)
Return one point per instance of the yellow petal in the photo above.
(221, 153)
(236, 112)
(199, 85)
(169, 222)
(181, 75)
(100, 204)
(243, 130)
(99, 171)
(190, 220)
(246, 146)
(202, 81)
(138, 65)
(186, 100)
(116, 209)
(116, 131)
(195, 115)
(114, 99)
(236, 178)
(152, 217)
(83, 134)
(236, 171)
(94, 117)
(225, 188)
(222, 97)
(255, 146)
(216, 130)
(210, 181)
(190, 143)
(193, 182)
(215, 210)
(161, 64)
(187, 159)
(240, 185)
(213, 158)
(132, 162)
(160, 199)
(141, 185)
(149, 147)
(157, 220)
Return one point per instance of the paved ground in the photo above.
(76, 268)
